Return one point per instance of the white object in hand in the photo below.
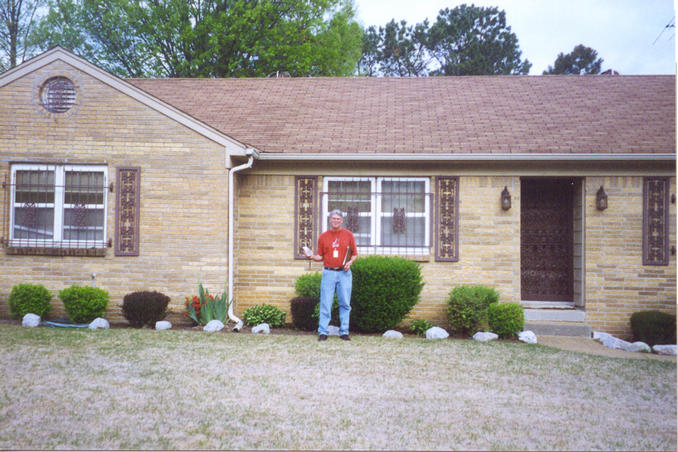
(307, 251)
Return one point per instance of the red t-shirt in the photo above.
(332, 246)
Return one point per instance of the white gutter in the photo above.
(281, 156)
(252, 154)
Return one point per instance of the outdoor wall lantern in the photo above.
(505, 199)
(601, 199)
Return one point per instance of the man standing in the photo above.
(337, 250)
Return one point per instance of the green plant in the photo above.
(420, 326)
(654, 327)
(467, 307)
(385, 289)
(29, 299)
(302, 309)
(505, 319)
(144, 308)
(264, 313)
(208, 306)
(308, 285)
(84, 304)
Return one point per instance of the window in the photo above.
(58, 95)
(386, 215)
(58, 206)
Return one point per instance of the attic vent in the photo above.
(58, 95)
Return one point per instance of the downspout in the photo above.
(251, 153)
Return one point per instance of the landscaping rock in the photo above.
(436, 333)
(665, 349)
(610, 341)
(392, 334)
(213, 326)
(163, 325)
(528, 337)
(31, 320)
(99, 323)
(262, 328)
(485, 336)
(640, 347)
(333, 330)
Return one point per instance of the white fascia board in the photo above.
(232, 146)
(463, 157)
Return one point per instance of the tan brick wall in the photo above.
(617, 282)
(184, 190)
(489, 245)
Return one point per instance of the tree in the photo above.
(582, 60)
(17, 19)
(471, 40)
(466, 40)
(207, 38)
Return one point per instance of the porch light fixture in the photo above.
(505, 199)
(601, 199)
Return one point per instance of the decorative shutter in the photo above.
(305, 213)
(127, 211)
(656, 220)
(447, 218)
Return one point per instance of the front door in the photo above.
(546, 239)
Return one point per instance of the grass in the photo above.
(177, 389)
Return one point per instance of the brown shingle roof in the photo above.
(461, 115)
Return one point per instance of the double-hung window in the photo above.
(58, 206)
(387, 215)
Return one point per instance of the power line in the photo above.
(671, 24)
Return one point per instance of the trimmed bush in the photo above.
(308, 285)
(84, 304)
(264, 313)
(654, 327)
(144, 308)
(420, 326)
(302, 309)
(467, 307)
(505, 319)
(29, 299)
(385, 289)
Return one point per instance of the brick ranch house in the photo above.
(559, 191)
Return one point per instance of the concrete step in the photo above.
(555, 315)
(541, 328)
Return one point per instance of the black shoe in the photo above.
(322, 337)
(345, 337)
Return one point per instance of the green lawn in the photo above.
(180, 389)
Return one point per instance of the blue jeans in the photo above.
(341, 282)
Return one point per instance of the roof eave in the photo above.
(431, 157)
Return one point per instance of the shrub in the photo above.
(144, 308)
(84, 304)
(654, 327)
(308, 285)
(420, 326)
(29, 299)
(302, 309)
(467, 307)
(385, 289)
(264, 313)
(505, 319)
(205, 307)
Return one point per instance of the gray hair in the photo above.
(337, 212)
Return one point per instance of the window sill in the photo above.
(95, 250)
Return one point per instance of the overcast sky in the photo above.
(629, 35)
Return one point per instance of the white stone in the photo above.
(31, 320)
(528, 337)
(262, 328)
(213, 326)
(163, 325)
(640, 347)
(486, 336)
(436, 333)
(392, 334)
(610, 341)
(665, 349)
(99, 323)
(333, 330)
